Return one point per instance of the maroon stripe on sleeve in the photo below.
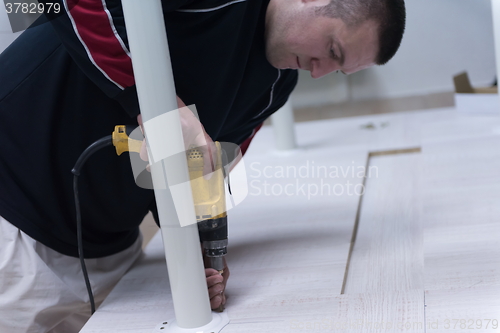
(96, 32)
(244, 146)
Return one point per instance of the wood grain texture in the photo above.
(387, 311)
(461, 182)
(461, 204)
(472, 309)
(287, 254)
(461, 199)
(462, 257)
(388, 252)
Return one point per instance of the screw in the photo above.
(162, 328)
(165, 323)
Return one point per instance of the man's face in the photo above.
(297, 38)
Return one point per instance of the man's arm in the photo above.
(93, 32)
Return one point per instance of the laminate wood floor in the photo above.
(417, 252)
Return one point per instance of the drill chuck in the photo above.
(216, 250)
(213, 234)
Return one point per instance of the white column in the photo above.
(156, 91)
(495, 8)
(284, 130)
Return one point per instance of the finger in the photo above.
(218, 289)
(144, 151)
(210, 272)
(207, 150)
(214, 279)
(209, 159)
(226, 273)
(225, 277)
(139, 121)
(215, 302)
(212, 151)
(180, 103)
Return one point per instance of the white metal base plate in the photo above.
(219, 321)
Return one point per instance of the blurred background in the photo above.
(443, 38)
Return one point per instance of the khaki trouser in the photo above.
(42, 290)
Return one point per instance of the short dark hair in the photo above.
(390, 15)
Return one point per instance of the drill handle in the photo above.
(123, 141)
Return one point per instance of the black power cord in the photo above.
(101, 143)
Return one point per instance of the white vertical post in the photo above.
(284, 130)
(155, 86)
(495, 8)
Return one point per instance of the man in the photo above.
(67, 81)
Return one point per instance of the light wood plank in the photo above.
(461, 182)
(396, 311)
(462, 257)
(463, 310)
(388, 311)
(388, 252)
(461, 203)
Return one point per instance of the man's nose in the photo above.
(321, 67)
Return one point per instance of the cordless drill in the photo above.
(208, 195)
